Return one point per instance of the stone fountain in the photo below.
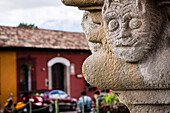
(130, 44)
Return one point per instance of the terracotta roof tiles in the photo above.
(40, 38)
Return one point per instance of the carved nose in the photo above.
(124, 33)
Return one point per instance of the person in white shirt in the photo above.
(87, 102)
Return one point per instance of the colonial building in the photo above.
(38, 59)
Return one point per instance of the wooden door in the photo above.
(58, 76)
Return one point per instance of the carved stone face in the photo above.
(131, 28)
(91, 30)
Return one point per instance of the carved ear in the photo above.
(141, 5)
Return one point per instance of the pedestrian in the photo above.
(9, 100)
(97, 99)
(8, 104)
(97, 96)
(87, 103)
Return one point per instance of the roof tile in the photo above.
(41, 38)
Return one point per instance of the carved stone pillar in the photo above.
(130, 44)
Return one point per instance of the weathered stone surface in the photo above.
(147, 59)
(140, 97)
(130, 44)
(149, 108)
(146, 101)
(129, 30)
(83, 2)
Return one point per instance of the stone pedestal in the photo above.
(146, 101)
(130, 44)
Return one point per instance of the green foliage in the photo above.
(110, 99)
(25, 25)
(117, 100)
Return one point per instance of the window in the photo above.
(58, 94)
(54, 95)
(25, 78)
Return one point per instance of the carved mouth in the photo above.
(125, 42)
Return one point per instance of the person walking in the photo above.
(87, 103)
(97, 96)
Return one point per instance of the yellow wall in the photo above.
(8, 76)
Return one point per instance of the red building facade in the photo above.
(47, 59)
(39, 67)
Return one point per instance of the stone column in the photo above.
(130, 44)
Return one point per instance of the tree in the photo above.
(25, 25)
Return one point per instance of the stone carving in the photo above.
(130, 51)
(102, 65)
(133, 27)
(134, 52)
(82, 3)
(92, 31)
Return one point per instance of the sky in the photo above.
(46, 14)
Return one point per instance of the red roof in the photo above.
(40, 38)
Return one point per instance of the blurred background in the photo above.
(46, 14)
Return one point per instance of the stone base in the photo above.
(146, 101)
(149, 108)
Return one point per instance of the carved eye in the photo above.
(113, 25)
(135, 23)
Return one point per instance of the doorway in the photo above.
(26, 75)
(59, 67)
(25, 78)
(58, 76)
